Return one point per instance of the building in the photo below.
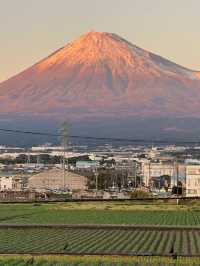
(12, 183)
(55, 179)
(87, 164)
(155, 170)
(6, 183)
(193, 180)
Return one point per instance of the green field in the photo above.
(95, 261)
(148, 241)
(98, 241)
(99, 213)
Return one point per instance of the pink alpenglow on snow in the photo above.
(101, 74)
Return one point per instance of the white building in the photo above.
(8, 183)
(87, 164)
(193, 180)
(151, 169)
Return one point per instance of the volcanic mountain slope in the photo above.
(102, 75)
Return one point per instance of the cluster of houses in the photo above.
(157, 176)
(153, 172)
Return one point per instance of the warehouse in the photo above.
(56, 179)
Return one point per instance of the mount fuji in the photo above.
(104, 85)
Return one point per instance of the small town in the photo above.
(104, 172)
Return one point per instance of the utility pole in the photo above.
(149, 175)
(28, 158)
(64, 142)
(96, 179)
(135, 174)
(177, 182)
(177, 178)
(38, 159)
(174, 175)
(176, 170)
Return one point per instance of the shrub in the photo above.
(140, 194)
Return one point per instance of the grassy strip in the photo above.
(95, 260)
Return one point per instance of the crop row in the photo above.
(100, 241)
(55, 216)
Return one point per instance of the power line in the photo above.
(29, 132)
(12, 131)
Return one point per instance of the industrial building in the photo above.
(57, 179)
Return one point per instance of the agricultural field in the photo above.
(95, 261)
(100, 213)
(177, 232)
(100, 241)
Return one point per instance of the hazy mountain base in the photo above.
(152, 129)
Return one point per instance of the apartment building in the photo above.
(193, 180)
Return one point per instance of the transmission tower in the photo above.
(64, 133)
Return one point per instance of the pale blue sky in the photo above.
(31, 29)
